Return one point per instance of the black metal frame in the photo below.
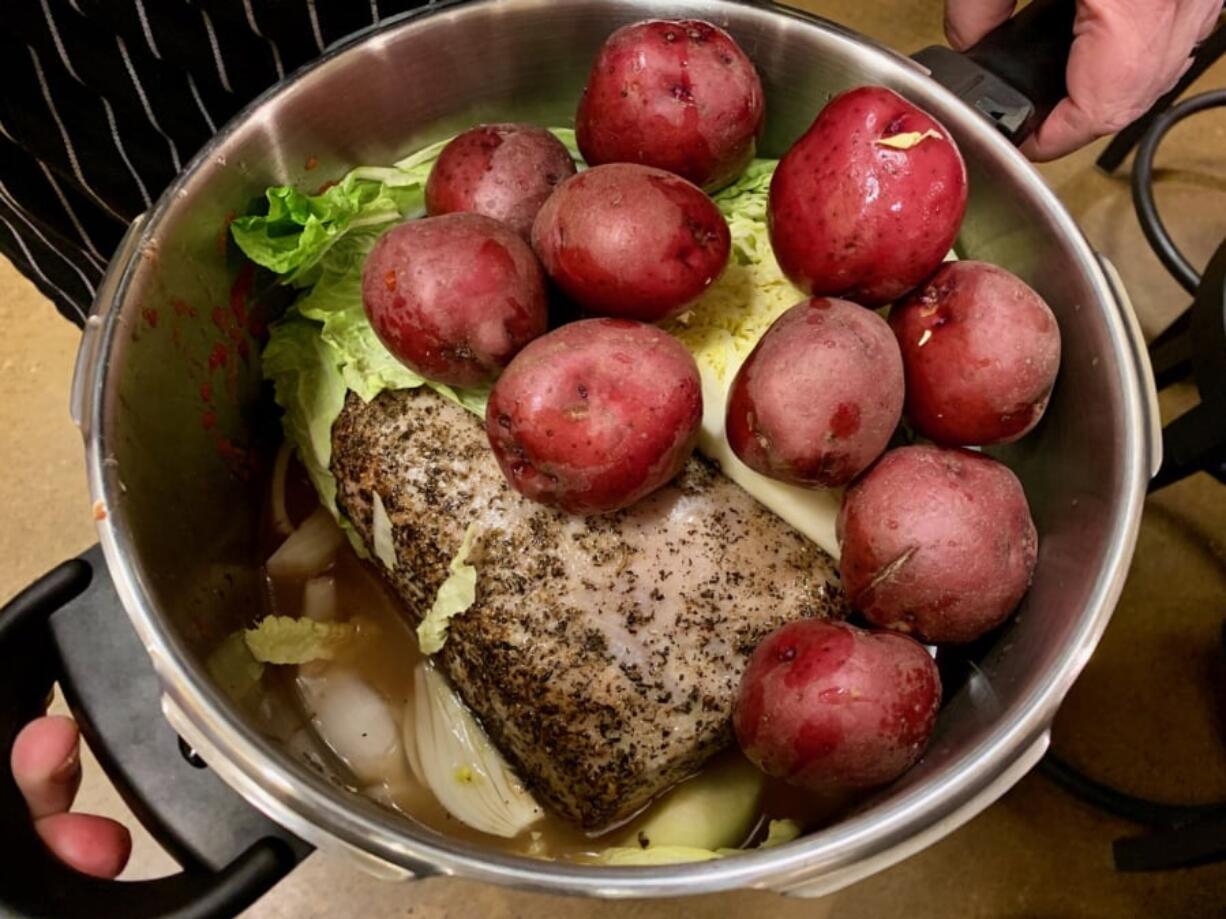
(1181, 836)
(1193, 345)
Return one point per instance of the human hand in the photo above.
(1125, 54)
(46, 764)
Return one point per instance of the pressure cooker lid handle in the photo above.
(1015, 75)
(230, 854)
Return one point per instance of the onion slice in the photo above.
(319, 599)
(449, 752)
(280, 512)
(381, 526)
(309, 550)
(355, 721)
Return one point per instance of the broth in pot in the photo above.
(360, 707)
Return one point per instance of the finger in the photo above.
(1070, 127)
(1122, 60)
(97, 846)
(46, 763)
(1212, 14)
(967, 21)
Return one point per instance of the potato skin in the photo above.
(454, 297)
(820, 395)
(595, 415)
(679, 95)
(504, 171)
(936, 542)
(850, 217)
(631, 241)
(831, 707)
(981, 351)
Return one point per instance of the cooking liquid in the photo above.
(387, 664)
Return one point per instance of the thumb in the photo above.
(46, 764)
(1069, 127)
(967, 21)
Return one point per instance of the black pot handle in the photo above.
(1015, 75)
(69, 627)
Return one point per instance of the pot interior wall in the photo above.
(192, 467)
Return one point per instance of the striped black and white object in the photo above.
(105, 100)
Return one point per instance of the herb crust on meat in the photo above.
(602, 654)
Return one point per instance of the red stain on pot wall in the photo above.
(240, 294)
(219, 356)
(216, 350)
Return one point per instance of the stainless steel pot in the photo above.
(180, 512)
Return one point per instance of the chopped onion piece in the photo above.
(409, 727)
(410, 746)
(780, 832)
(716, 809)
(653, 855)
(355, 721)
(381, 524)
(381, 793)
(280, 512)
(319, 600)
(309, 550)
(450, 754)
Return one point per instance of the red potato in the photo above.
(631, 241)
(819, 396)
(981, 351)
(679, 95)
(595, 415)
(868, 201)
(504, 171)
(830, 707)
(936, 542)
(454, 297)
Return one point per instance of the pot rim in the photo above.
(307, 803)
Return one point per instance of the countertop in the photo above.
(1148, 714)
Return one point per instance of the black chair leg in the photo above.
(1191, 443)
(1197, 843)
(1183, 835)
(1170, 353)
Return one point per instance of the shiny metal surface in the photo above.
(85, 369)
(180, 529)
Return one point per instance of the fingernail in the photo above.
(68, 769)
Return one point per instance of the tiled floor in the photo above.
(1149, 712)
